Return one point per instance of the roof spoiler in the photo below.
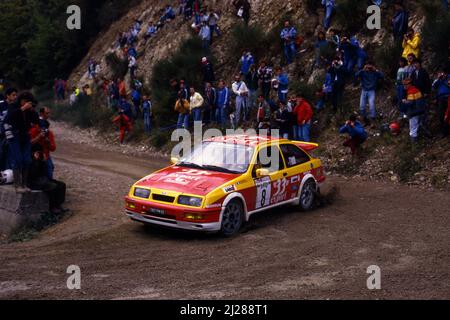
(307, 146)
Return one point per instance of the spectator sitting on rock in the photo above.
(356, 132)
(38, 180)
(151, 31)
(169, 13)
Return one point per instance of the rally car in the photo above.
(224, 181)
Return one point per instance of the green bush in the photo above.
(435, 33)
(185, 63)
(249, 38)
(387, 56)
(118, 66)
(85, 113)
(351, 15)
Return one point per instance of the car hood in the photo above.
(186, 180)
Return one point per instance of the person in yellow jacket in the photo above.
(411, 43)
(183, 108)
(196, 104)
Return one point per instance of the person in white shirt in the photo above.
(241, 91)
(196, 104)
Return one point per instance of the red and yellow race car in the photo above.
(224, 181)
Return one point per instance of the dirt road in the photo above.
(282, 254)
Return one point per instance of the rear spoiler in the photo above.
(307, 146)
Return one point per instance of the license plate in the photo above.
(158, 212)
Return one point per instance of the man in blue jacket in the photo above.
(369, 80)
(246, 61)
(400, 21)
(282, 84)
(356, 132)
(222, 101)
(288, 35)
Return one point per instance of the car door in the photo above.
(298, 163)
(269, 189)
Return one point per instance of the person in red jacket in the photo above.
(304, 114)
(124, 124)
(46, 140)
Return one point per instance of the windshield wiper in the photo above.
(191, 165)
(220, 169)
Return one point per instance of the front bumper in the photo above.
(173, 216)
(206, 227)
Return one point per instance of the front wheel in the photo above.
(308, 195)
(232, 218)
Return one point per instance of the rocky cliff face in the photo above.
(265, 13)
(383, 156)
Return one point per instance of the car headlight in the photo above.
(190, 201)
(142, 193)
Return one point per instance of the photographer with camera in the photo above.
(369, 76)
(356, 132)
(20, 119)
(411, 43)
(41, 135)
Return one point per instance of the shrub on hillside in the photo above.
(351, 15)
(387, 56)
(248, 38)
(184, 64)
(118, 66)
(435, 31)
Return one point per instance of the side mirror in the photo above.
(174, 160)
(262, 173)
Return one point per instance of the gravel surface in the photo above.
(281, 254)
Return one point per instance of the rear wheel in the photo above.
(232, 218)
(308, 195)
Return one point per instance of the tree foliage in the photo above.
(36, 45)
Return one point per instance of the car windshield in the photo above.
(221, 157)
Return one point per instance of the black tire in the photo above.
(308, 195)
(232, 219)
